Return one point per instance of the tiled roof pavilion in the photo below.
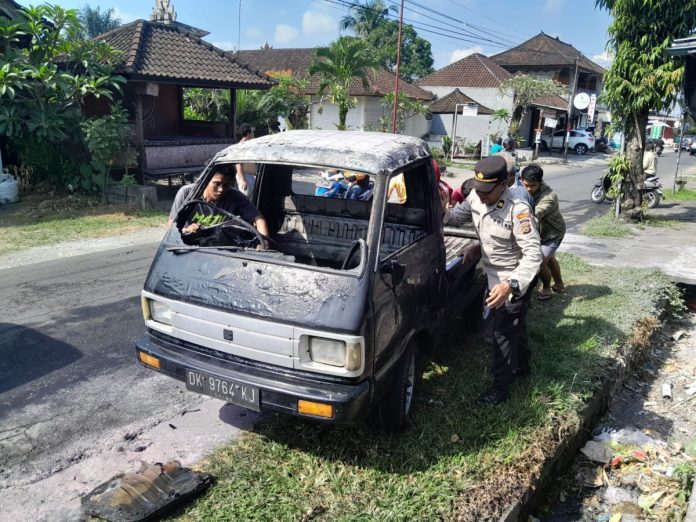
(297, 62)
(475, 70)
(174, 52)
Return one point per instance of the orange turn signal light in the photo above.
(317, 409)
(148, 359)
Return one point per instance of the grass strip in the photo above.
(287, 469)
(33, 222)
(681, 195)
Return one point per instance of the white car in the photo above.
(580, 141)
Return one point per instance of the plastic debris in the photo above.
(625, 436)
(597, 452)
(604, 517)
(691, 390)
(146, 494)
(639, 455)
(591, 477)
(648, 501)
(666, 390)
(616, 517)
(678, 335)
(454, 438)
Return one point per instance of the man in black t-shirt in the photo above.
(220, 193)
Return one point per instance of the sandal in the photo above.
(544, 296)
(558, 289)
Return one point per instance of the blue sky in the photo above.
(308, 23)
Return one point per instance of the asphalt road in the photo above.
(69, 383)
(68, 377)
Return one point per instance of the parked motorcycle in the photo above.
(602, 144)
(651, 191)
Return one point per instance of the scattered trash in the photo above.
(172, 426)
(146, 494)
(648, 501)
(597, 452)
(669, 472)
(604, 517)
(691, 390)
(130, 435)
(591, 477)
(614, 495)
(454, 438)
(625, 436)
(615, 517)
(666, 390)
(639, 455)
(678, 335)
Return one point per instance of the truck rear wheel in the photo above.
(396, 407)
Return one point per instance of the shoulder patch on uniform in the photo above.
(523, 215)
(500, 204)
(525, 226)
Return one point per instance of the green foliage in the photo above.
(642, 77)
(338, 64)
(363, 19)
(286, 99)
(446, 145)
(405, 109)
(43, 86)
(96, 22)
(206, 104)
(618, 169)
(108, 140)
(416, 52)
(524, 89)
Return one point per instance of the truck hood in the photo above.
(287, 294)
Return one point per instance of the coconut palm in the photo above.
(96, 22)
(364, 18)
(338, 65)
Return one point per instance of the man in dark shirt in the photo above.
(220, 193)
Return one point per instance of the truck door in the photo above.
(408, 286)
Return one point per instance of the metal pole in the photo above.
(676, 171)
(570, 112)
(398, 63)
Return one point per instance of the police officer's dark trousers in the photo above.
(511, 346)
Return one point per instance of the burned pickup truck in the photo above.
(357, 284)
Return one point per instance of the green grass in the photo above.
(39, 222)
(681, 195)
(287, 469)
(606, 225)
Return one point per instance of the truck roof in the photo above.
(370, 152)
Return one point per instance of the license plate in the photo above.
(223, 389)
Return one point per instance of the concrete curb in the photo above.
(691, 508)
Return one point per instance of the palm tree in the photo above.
(364, 18)
(96, 22)
(340, 63)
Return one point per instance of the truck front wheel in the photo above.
(397, 405)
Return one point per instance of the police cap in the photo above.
(488, 172)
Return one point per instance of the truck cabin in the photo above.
(328, 208)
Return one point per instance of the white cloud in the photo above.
(285, 34)
(318, 24)
(124, 16)
(458, 54)
(226, 45)
(603, 59)
(553, 6)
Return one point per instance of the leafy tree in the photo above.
(344, 60)
(405, 109)
(43, 85)
(642, 76)
(206, 104)
(285, 99)
(524, 89)
(96, 22)
(416, 54)
(363, 19)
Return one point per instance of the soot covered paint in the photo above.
(260, 288)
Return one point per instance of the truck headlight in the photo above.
(335, 353)
(160, 312)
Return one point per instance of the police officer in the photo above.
(511, 256)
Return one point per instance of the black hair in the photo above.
(467, 186)
(533, 172)
(245, 129)
(499, 140)
(650, 145)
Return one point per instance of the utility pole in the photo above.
(676, 170)
(574, 86)
(398, 63)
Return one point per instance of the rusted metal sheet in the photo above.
(147, 494)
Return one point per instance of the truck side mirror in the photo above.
(396, 269)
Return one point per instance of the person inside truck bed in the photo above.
(220, 192)
(511, 255)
